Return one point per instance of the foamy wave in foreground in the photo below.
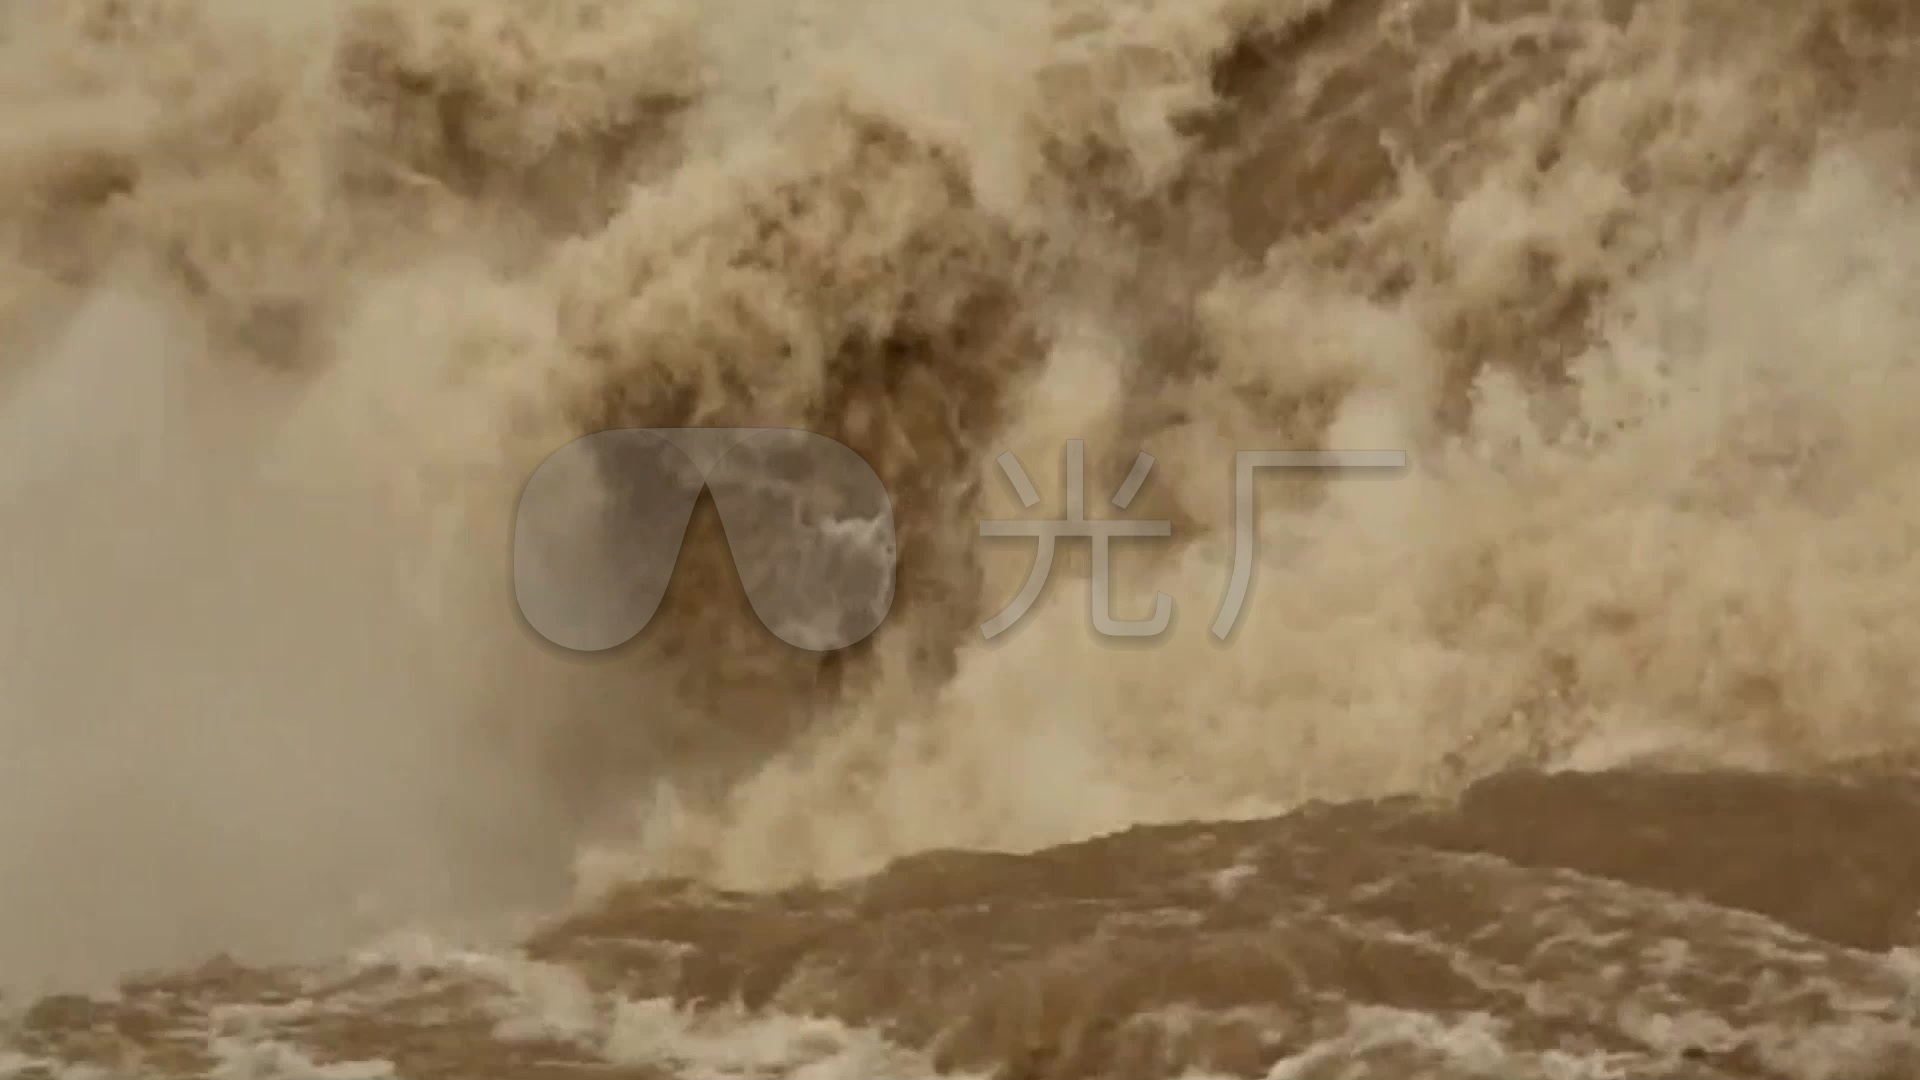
(294, 297)
(1706, 925)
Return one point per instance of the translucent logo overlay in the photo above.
(602, 521)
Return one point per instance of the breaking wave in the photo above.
(295, 297)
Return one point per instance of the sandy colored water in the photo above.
(295, 296)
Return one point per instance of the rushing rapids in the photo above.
(1684, 924)
(1584, 748)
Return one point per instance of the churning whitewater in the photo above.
(1584, 747)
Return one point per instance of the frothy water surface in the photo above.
(1582, 749)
